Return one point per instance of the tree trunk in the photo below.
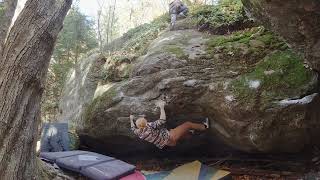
(112, 20)
(108, 25)
(100, 31)
(101, 6)
(23, 68)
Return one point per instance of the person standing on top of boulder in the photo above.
(161, 137)
(177, 9)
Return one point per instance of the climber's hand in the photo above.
(160, 103)
(131, 117)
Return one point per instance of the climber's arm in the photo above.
(162, 112)
(133, 126)
(162, 119)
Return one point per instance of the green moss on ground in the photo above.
(177, 51)
(281, 75)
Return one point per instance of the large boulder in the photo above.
(256, 92)
(81, 84)
(298, 21)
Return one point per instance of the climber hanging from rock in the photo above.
(153, 132)
(177, 9)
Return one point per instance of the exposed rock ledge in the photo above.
(297, 21)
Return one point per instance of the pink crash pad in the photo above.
(135, 176)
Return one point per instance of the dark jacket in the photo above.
(176, 7)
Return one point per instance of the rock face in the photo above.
(297, 21)
(79, 89)
(255, 91)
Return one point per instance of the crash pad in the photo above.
(190, 171)
(89, 164)
(135, 176)
(187, 171)
(114, 169)
(53, 156)
(54, 137)
(80, 161)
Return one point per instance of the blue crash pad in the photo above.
(89, 164)
(108, 170)
(80, 161)
(54, 156)
(54, 137)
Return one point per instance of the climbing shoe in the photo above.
(206, 123)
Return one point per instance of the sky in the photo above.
(89, 7)
(129, 13)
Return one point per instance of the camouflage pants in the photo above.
(174, 17)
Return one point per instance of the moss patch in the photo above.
(289, 71)
(74, 141)
(280, 75)
(227, 16)
(255, 33)
(240, 45)
(176, 50)
(127, 71)
(100, 104)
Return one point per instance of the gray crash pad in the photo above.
(53, 156)
(108, 170)
(89, 164)
(54, 137)
(77, 162)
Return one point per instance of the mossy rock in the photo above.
(126, 71)
(244, 36)
(186, 23)
(248, 46)
(279, 76)
(104, 101)
(223, 18)
(74, 141)
(177, 51)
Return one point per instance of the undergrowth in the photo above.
(223, 18)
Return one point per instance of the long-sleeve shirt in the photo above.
(176, 7)
(153, 133)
